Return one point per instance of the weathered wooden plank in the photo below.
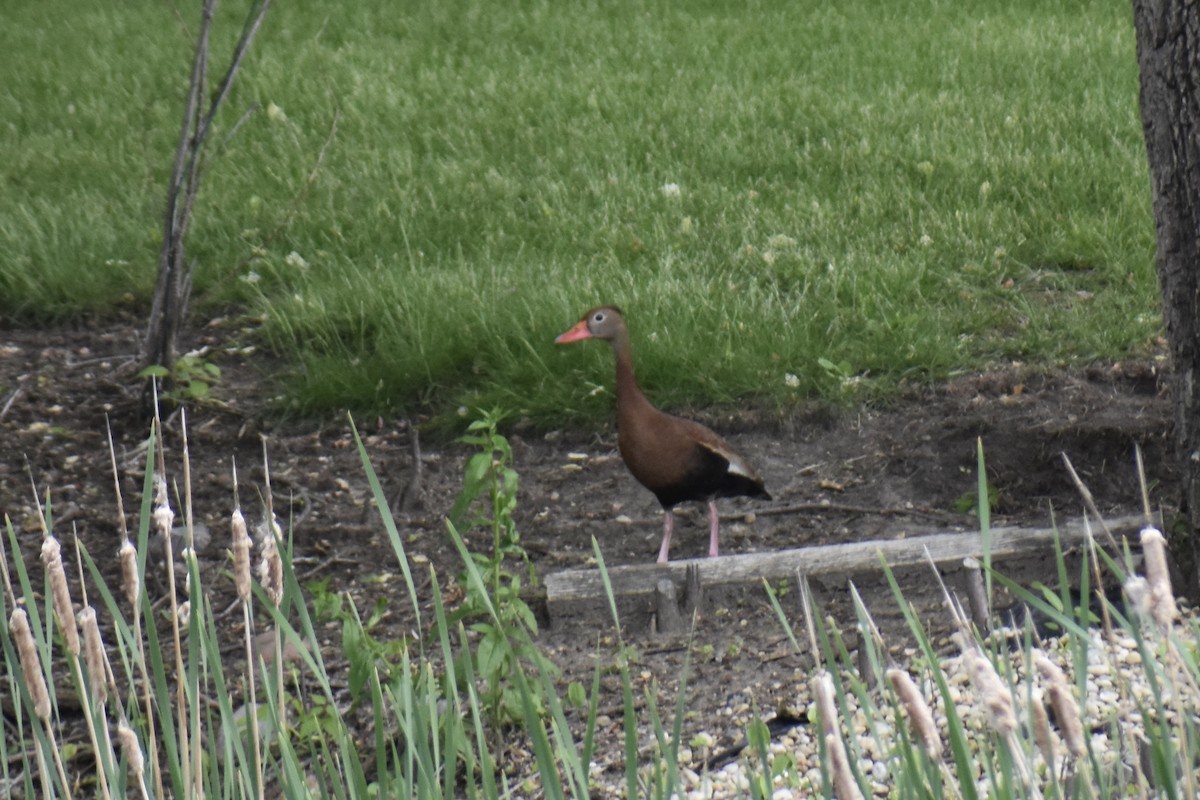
(570, 588)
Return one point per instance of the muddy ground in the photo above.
(883, 472)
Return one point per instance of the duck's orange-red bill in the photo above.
(580, 331)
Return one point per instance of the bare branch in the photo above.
(173, 290)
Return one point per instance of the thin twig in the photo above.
(8, 401)
(1090, 555)
(806, 604)
(237, 126)
(410, 496)
(1089, 501)
(1141, 473)
(254, 20)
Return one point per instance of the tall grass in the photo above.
(174, 712)
(425, 196)
(1083, 704)
(166, 710)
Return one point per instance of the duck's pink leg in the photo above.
(668, 525)
(713, 524)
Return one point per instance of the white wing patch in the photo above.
(736, 465)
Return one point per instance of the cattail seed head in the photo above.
(1066, 711)
(31, 667)
(1051, 673)
(241, 554)
(1040, 722)
(189, 557)
(64, 610)
(1137, 589)
(1158, 576)
(164, 517)
(844, 786)
(826, 706)
(270, 570)
(130, 747)
(993, 693)
(93, 651)
(130, 582)
(920, 717)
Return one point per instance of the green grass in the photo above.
(905, 191)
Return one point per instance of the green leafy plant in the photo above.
(189, 380)
(364, 649)
(968, 502)
(502, 641)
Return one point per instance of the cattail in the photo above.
(844, 786)
(130, 582)
(1063, 702)
(1154, 556)
(1040, 722)
(920, 717)
(826, 707)
(130, 747)
(31, 668)
(1137, 589)
(164, 517)
(93, 651)
(133, 754)
(270, 570)
(241, 554)
(64, 610)
(994, 694)
(189, 557)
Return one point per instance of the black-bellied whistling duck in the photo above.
(675, 458)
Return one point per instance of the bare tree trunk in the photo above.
(174, 287)
(1168, 52)
(174, 278)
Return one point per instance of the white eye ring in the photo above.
(598, 317)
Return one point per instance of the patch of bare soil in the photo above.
(870, 473)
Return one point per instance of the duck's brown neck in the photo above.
(629, 394)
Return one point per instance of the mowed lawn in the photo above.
(409, 201)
